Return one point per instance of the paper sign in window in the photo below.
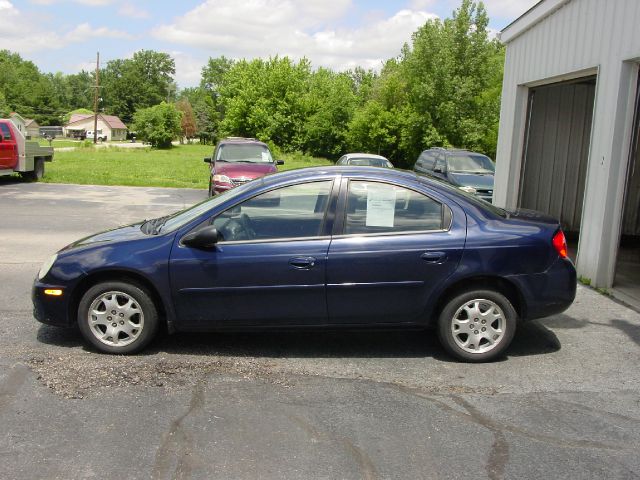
(265, 156)
(381, 206)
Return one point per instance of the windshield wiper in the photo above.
(154, 226)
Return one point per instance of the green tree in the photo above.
(327, 108)
(158, 125)
(264, 98)
(139, 82)
(206, 115)
(188, 128)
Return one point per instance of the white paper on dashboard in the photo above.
(381, 206)
(265, 156)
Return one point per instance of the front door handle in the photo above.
(434, 257)
(303, 263)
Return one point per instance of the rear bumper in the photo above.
(48, 309)
(550, 292)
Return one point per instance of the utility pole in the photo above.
(95, 100)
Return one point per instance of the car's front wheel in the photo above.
(477, 326)
(118, 317)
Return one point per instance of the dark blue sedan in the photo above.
(340, 247)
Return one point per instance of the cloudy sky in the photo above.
(64, 35)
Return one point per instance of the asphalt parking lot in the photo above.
(565, 403)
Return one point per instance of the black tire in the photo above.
(141, 300)
(210, 187)
(454, 309)
(37, 173)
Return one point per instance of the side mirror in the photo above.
(207, 159)
(279, 162)
(204, 238)
(437, 170)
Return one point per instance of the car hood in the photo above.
(124, 233)
(246, 170)
(479, 181)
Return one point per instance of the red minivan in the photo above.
(239, 160)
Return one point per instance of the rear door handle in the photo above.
(433, 257)
(303, 263)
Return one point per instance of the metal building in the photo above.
(568, 140)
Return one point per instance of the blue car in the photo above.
(339, 247)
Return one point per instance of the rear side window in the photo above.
(426, 161)
(6, 132)
(374, 207)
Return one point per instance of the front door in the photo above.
(269, 267)
(396, 246)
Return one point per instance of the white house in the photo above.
(108, 125)
(568, 140)
(32, 128)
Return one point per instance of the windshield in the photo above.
(243, 153)
(176, 220)
(466, 163)
(371, 162)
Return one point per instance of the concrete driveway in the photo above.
(564, 404)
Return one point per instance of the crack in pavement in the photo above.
(362, 459)
(177, 443)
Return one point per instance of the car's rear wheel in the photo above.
(477, 326)
(118, 317)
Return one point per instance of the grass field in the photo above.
(60, 143)
(181, 166)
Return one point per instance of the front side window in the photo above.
(297, 211)
(374, 207)
(243, 153)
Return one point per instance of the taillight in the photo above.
(560, 243)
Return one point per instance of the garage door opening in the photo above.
(556, 152)
(627, 278)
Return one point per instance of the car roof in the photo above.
(375, 173)
(349, 156)
(241, 140)
(449, 151)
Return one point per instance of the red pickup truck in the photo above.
(18, 155)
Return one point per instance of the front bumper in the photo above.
(49, 309)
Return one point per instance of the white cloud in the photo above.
(129, 10)
(15, 25)
(188, 68)
(85, 30)
(260, 28)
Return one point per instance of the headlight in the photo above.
(468, 189)
(46, 266)
(221, 179)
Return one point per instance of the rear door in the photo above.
(8, 154)
(393, 247)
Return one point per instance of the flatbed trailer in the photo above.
(18, 155)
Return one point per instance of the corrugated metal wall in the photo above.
(556, 150)
(580, 37)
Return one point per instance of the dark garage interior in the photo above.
(556, 152)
